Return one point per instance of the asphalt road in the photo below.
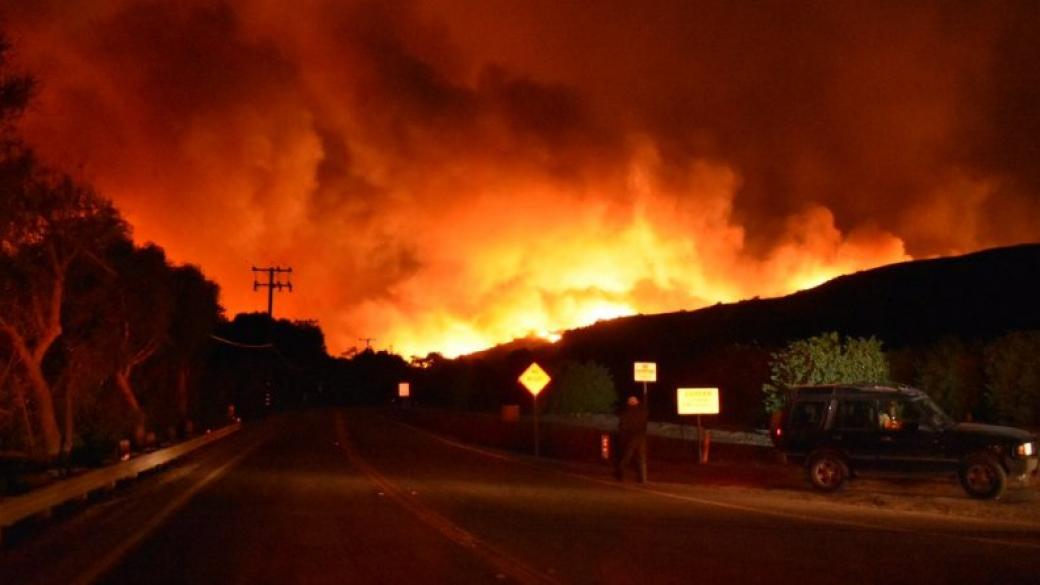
(353, 497)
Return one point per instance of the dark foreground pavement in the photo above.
(352, 497)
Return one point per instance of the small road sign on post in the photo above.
(535, 380)
(698, 401)
(404, 390)
(645, 372)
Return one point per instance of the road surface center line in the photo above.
(500, 560)
(714, 503)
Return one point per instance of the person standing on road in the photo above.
(632, 438)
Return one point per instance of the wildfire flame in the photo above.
(564, 261)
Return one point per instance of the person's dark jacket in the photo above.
(632, 423)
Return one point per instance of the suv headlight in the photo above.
(1026, 449)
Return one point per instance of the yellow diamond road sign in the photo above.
(534, 379)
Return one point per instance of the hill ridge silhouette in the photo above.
(974, 296)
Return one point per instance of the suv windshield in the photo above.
(932, 415)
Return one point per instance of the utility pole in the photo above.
(272, 284)
(368, 341)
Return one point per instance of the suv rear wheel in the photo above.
(827, 471)
(982, 477)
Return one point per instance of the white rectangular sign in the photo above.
(646, 371)
(404, 390)
(697, 400)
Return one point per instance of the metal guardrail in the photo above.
(43, 500)
(608, 423)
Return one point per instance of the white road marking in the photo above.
(107, 562)
(503, 563)
(715, 503)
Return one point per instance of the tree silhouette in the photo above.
(196, 312)
(583, 388)
(48, 222)
(139, 311)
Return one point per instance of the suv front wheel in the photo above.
(827, 471)
(982, 477)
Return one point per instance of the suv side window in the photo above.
(807, 416)
(898, 414)
(856, 415)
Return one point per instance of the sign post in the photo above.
(698, 401)
(534, 379)
(645, 372)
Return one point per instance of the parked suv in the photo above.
(838, 431)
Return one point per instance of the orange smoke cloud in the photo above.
(447, 175)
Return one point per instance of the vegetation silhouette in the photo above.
(984, 300)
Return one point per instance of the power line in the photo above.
(242, 345)
(266, 346)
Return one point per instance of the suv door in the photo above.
(908, 443)
(854, 431)
(804, 426)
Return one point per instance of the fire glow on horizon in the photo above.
(445, 175)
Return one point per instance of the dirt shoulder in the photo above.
(743, 471)
(937, 496)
